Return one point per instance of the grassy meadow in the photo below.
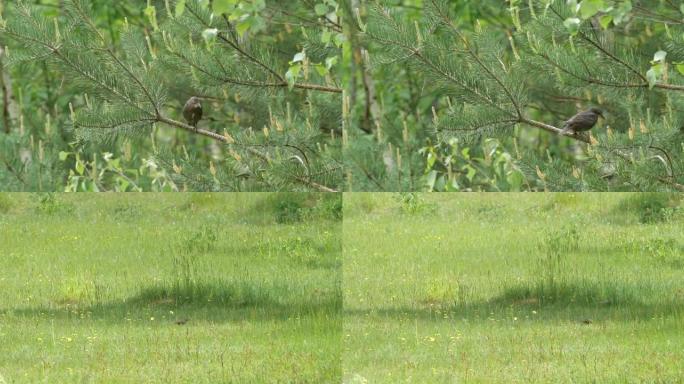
(513, 288)
(170, 288)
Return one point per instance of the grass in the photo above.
(512, 288)
(93, 287)
(249, 288)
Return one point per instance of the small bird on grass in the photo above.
(582, 121)
(192, 111)
(181, 321)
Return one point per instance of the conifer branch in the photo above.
(56, 51)
(594, 80)
(623, 63)
(555, 130)
(129, 90)
(447, 21)
(84, 16)
(281, 81)
(516, 116)
(224, 139)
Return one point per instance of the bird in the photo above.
(587, 321)
(181, 321)
(582, 121)
(192, 111)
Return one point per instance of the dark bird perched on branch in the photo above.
(582, 121)
(192, 111)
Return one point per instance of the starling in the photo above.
(192, 111)
(582, 121)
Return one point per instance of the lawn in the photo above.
(513, 288)
(248, 288)
(170, 288)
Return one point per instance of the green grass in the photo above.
(475, 288)
(92, 287)
(512, 288)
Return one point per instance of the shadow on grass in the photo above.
(218, 302)
(575, 301)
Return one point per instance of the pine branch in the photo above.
(84, 16)
(594, 80)
(281, 81)
(516, 116)
(447, 21)
(223, 139)
(556, 130)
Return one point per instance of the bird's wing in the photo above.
(579, 118)
(573, 120)
(187, 111)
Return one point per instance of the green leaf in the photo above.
(80, 167)
(243, 26)
(572, 24)
(605, 21)
(680, 68)
(321, 69)
(123, 183)
(223, 6)
(589, 8)
(490, 147)
(431, 158)
(515, 179)
(151, 13)
(340, 38)
(209, 34)
(439, 184)
(330, 62)
(651, 77)
(471, 172)
(326, 36)
(653, 74)
(321, 9)
(431, 178)
(621, 13)
(292, 74)
(180, 8)
(63, 155)
(659, 56)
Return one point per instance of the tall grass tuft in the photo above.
(652, 207)
(411, 203)
(188, 257)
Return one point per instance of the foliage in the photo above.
(74, 283)
(451, 167)
(50, 204)
(652, 207)
(428, 294)
(296, 207)
(265, 74)
(411, 203)
(448, 80)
